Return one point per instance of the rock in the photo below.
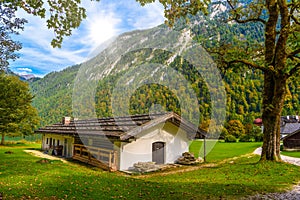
(188, 158)
(143, 167)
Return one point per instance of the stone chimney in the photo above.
(66, 120)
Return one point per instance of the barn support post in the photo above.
(204, 151)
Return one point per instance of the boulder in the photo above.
(188, 158)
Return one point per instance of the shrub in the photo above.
(235, 128)
(259, 137)
(230, 138)
(245, 138)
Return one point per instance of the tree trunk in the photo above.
(273, 100)
(2, 139)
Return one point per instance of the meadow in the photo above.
(22, 176)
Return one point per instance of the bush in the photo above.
(235, 128)
(230, 138)
(224, 133)
(259, 137)
(245, 138)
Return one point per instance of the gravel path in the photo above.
(290, 195)
(43, 155)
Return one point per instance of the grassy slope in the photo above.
(223, 150)
(22, 177)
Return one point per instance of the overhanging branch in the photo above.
(251, 64)
(242, 21)
(294, 70)
(294, 53)
(295, 20)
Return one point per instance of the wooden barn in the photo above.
(117, 143)
(292, 141)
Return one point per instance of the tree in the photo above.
(63, 16)
(9, 24)
(17, 115)
(235, 128)
(277, 55)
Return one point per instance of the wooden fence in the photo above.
(103, 158)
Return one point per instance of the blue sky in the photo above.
(105, 19)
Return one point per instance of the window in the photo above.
(53, 142)
(90, 142)
(47, 142)
(57, 142)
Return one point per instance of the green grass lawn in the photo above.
(222, 150)
(23, 177)
(295, 154)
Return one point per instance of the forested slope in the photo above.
(53, 93)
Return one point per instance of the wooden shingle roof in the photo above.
(122, 128)
(292, 134)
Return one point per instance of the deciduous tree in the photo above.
(9, 24)
(17, 115)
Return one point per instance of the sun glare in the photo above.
(102, 27)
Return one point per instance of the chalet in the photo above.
(117, 143)
(292, 141)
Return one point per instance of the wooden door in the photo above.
(158, 152)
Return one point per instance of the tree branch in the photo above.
(295, 20)
(293, 54)
(251, 64)
(237, 16)
(294, 70)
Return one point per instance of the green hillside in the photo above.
(53, 93)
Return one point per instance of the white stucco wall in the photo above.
(67, 148)
(140, 150)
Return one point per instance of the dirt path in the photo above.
(42, 155)
(288, 159)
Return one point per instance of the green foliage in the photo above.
(235, 128)
(17, 115)
(64, 16)
(53, 95)
(243, 85)
(244, 138)
(180, 8)
(230, 138)
(9, 25)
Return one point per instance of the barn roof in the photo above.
(122, 128)
(292, 134)
(289, 128)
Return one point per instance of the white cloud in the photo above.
(105, 20)
(25, 69)
(153, 15)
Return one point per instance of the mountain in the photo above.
(150, 71)
(23, 77)
(28, 77)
